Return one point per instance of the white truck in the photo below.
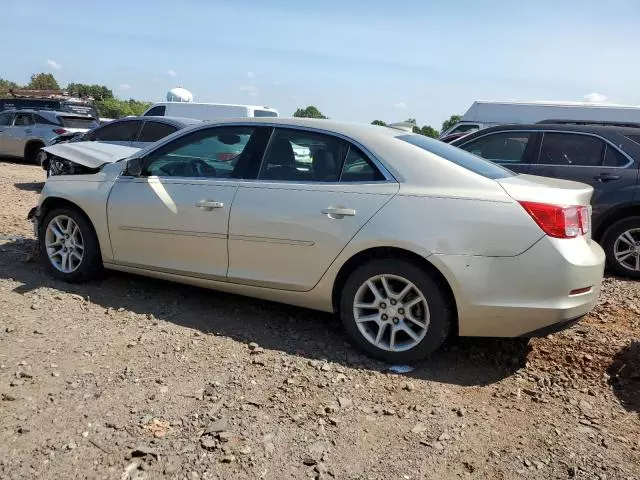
(483, 114)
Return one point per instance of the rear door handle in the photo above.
(607, 177)
(209, 204)
(338, 212)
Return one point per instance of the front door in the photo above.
(588, 159)
(174, 217)
(287, 227)
(6, 120)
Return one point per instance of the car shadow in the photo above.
(30, 186)
(624, 376)
(295, 331)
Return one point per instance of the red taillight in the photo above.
(59, 131)
(558, 221)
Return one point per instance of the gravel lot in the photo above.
(131, 378)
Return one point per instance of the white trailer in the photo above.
(483, 114)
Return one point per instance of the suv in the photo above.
(605, 157)
(24, 132)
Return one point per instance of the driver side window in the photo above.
(211, 153)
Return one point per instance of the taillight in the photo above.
(558, 221)
(59, 131)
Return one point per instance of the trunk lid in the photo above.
(531, 188)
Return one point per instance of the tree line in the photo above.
(427, 130)
(106, 103)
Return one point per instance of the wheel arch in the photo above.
(368, 254)
(613, 217)
(51, 203)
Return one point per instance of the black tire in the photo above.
(31, 152)
(441, 315)
(91, 264)
(609, 241)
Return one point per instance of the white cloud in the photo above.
(172, 73)
(400, 105)
(595, 97)
(53, 64)
(251, 74)
(125, 86)
(251, 90)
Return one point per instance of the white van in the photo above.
(208, 111)
(483, 114)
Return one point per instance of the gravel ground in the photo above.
(131, 378)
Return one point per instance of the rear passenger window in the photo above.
(154, 131)
(507, 147)
(117, 132)
(156, 111)
(574, 149)
(613, 158)
(358, 168)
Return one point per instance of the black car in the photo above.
(605, 157)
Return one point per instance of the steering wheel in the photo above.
(203, 169)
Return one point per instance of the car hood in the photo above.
(91, 154)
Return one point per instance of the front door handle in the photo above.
(209, 204)
(607, 177)
(338, 212)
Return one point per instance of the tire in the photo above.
(399, 274)
(89, 265)
(31, 152)
(613, 242)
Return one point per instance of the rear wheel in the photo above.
(621, 244)
(69, 245)
(31, 152)
(395, 311)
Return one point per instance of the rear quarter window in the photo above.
(455, 155)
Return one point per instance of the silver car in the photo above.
(406, 238)
(24, 132)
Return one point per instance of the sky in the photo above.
(355, 60)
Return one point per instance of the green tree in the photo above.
(115, 108)
(379, 122)
(429, 131)
(43, 81)
(309, 112)
(411, 120)
(447, 124)
(6, 85)
(98, 92)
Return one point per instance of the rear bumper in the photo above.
(528, 293)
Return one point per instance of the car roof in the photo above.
(177, 121)
(563, 127)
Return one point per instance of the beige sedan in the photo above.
(406, 238)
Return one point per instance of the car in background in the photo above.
(135, 132)
(406, 238)
(605, 157)
(48, 102)
(24, 132)
(455, 136)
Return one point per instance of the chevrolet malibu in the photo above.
(405, 238)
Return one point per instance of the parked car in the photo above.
(407, 238)
(24, 132)
(605, 157)
(209, 111)
(483, 114)
(51, 103)
(130, 131)
(455, 136)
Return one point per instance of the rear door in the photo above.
(514, 149)
(19, 133)
(289, 225)
(588, 159)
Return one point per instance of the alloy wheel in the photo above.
(391, 313)
(64, 244)
(626, 249)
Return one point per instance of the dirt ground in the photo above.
(131, 378)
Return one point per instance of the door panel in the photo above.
(581, 158)
(175, 224)
(282, 235)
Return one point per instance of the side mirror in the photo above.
(134, 167)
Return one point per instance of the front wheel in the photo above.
(621, 244)
(395, 311)
(69, 245)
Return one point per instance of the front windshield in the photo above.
(459, 157)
